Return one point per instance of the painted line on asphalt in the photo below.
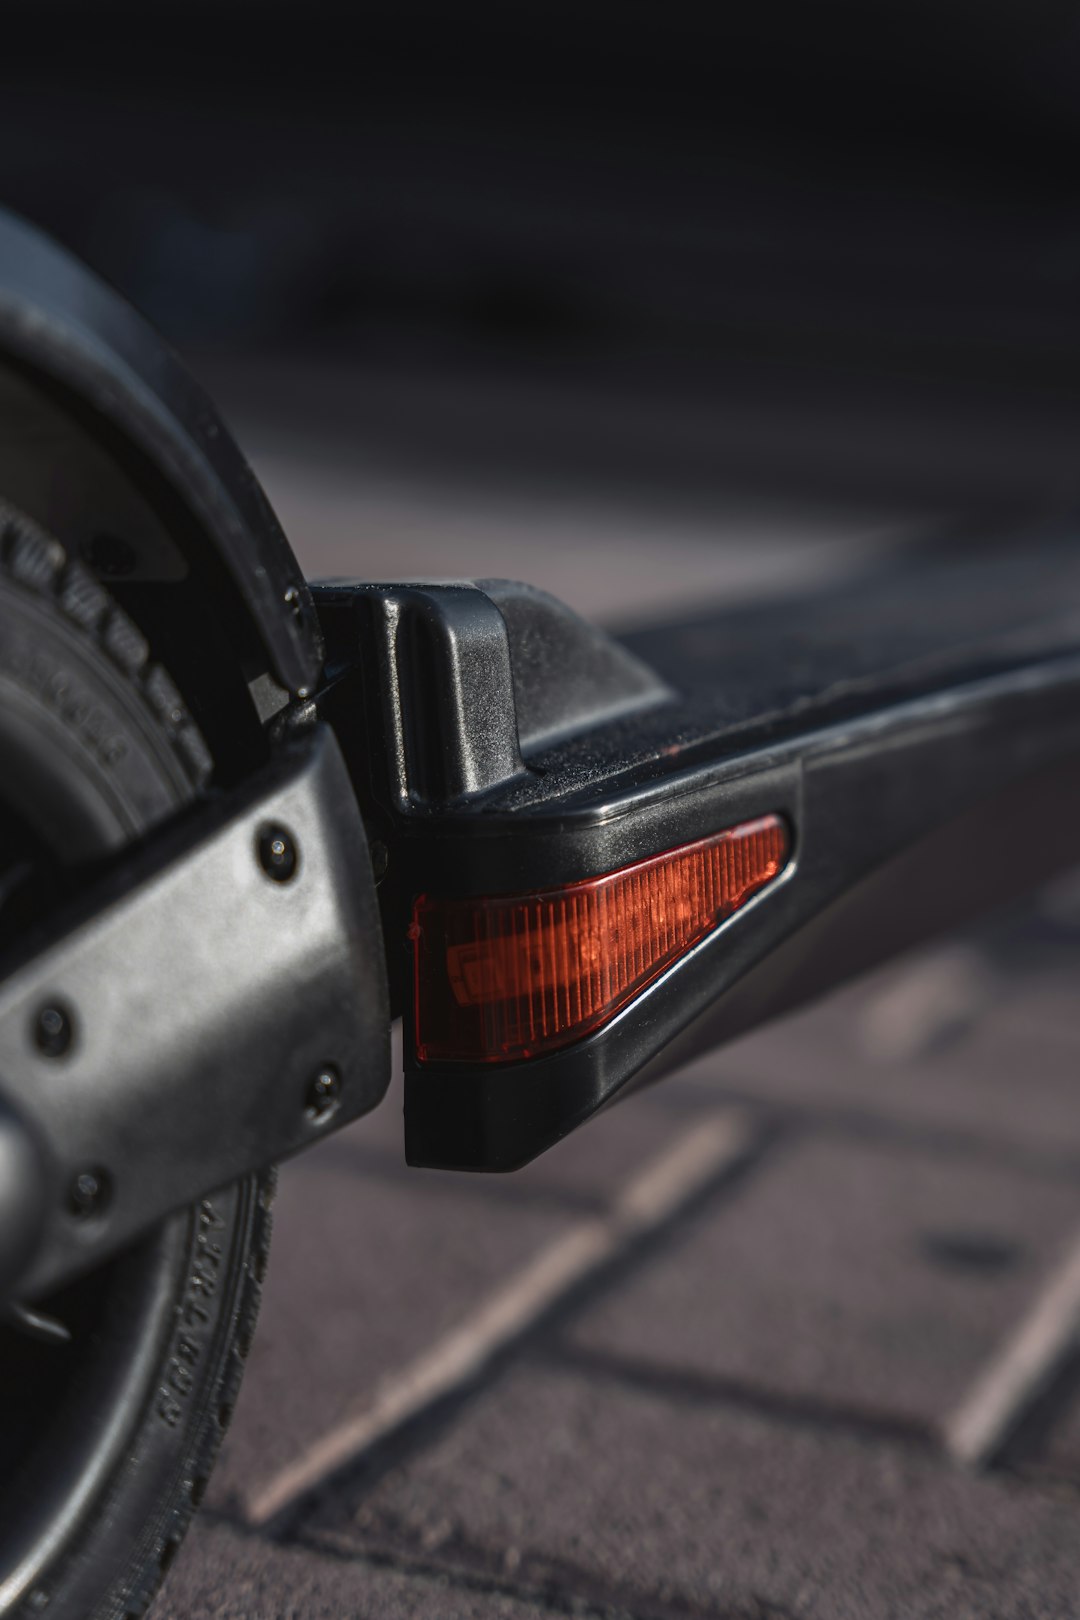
(698, 1157)
(1019, 1372)
(938, 996)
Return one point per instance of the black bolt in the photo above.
(294, 601)
(88, 1193)
(53, 1030)
(278, 854)
(323, 1097)
(380, 859)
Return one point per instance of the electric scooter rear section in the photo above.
(249, 823)
(603, 857)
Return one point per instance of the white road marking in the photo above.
(1019, 1372)
(644, 1203)
(941, 994)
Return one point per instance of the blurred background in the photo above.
(645, 304)
(491, 281)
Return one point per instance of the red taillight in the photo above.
(507, 977)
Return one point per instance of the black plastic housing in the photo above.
(918, 729)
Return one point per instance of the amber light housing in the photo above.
(501, 978)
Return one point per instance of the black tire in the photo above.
(106, 1443)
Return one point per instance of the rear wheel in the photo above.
(107, 1435)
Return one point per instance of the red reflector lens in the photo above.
(507, 977)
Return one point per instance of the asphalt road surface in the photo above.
(793, 1333)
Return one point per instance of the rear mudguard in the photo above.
(109, 444)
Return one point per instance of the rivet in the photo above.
(322, 1098)
(278, 854)
(54, 1030)
(89, 1193)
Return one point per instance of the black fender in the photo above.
(108, 442)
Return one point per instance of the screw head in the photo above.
(89, 1193)
(278, 854)
(323, 1096)
(380, 858)
(54, 1030)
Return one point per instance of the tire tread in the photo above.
(39, 564)
(139, 1597)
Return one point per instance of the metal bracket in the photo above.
(214, 1007)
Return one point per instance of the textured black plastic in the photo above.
(468, 681)
(569, 677)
